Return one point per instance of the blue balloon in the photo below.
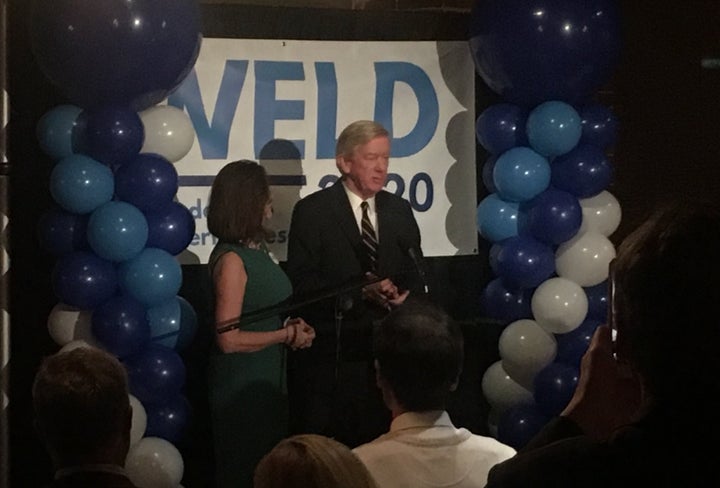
(521, 174)
(518, 424)
(56, 131)
(501, 127)
(155, 374)
(572, 345)
(530, 52)
(501, 303)
(599, 126)
(151, 277)
(61, 232)
(168, 419)
(497, 219)
(172, 227)
(148, 182)
(108, 52)
(585, 171)
(188, 324)
(553, 128)
(524, 262)
(164, 320)
(554, 386)
(597, 301)
(117, 231)
(120, 325)
(553, 217)
(80, 184)
(113, 135)
(83, 280)
(487, 174)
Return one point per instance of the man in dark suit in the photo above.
(350, 231)
(83, 414)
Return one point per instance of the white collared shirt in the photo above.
(355, 202)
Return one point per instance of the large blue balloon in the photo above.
(155, 374)
(501, 127)
(120, 325)
(597, 301)
(497, 219)
(521, 174)
(168, 419)
(80, 184)
(524, 262)
(599, 126)
(117, 231)
(83, 280)
(172, 227)
(148, 182)
(501, 303)
(552, 217)
(188, 324)
(113, 135)
(585, 171)
(553, 386)
(151, 277)
(518, 424)
(61, 232)
(487, 174)
(113, 52)
(572, 345)
(530, 52)
(56, 131)
(553, 128)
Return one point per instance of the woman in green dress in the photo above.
(247, 390)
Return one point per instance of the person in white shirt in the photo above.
(418, 353)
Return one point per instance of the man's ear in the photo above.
(343, 164)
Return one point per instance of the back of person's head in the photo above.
(311, 461)
(356, 134)
(419, 354)
(82, 407)
(238, 197)
(667, 276)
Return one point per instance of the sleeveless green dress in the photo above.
(247, 391)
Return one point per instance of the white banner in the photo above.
(283, 103)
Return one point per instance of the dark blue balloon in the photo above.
(171, 227)
(188, 324)
(61, 232)
(517, 425)
(500, 303)
(168, 419)
(83, 280)
(487, 174)
(148, 181)
(113, 135)
(552, 217)
(597, 301)
(524, 262)
(572, 346)
(111, 52)
(155, 374)
(500, 127)
(554, 386)
(530, 52)
(585, 171)
(120, 326)
(599, 126)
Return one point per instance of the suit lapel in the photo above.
(344, 215)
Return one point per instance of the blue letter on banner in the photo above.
(327, 110)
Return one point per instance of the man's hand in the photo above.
(384, 293)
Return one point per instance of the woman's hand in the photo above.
(300, 334)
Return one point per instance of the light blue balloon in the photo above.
(55, 130)
(497, 219)
(521, 174)
(553, 128)
(80, 184)
(151, 277)
(165, 320)
(117, 231)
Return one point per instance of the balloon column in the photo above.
(115, 227)
(548, 212)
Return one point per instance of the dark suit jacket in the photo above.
(92, 479)
(325, 252)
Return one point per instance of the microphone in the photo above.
(416, 256)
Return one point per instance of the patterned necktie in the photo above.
(368, 237)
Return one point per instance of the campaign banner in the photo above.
(283, 103)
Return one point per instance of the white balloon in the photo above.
(154, 463)
(525, 349)
(139, 420)
(74, 345)
(601, 214)
(585, 259)
(168, 132)
(559, 305)
(501, 391)
(66, 323)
